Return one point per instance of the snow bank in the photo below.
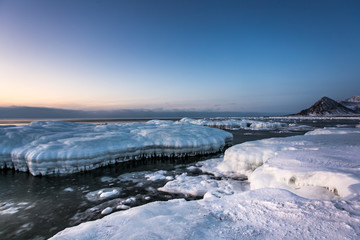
(258, 214)
(234, 124)
(49, 147)
(324, 159)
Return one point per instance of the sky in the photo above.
(251, 56)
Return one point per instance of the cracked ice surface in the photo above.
(50, 147)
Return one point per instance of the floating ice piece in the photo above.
(259, 214)
(50, 147)
(107, 211)
(68, 189)
(158, 175)
(107, 179)
(133, 176)
(324, 159)
(233, 124)
(102, 194)
(130, 200)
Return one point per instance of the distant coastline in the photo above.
(42, 113)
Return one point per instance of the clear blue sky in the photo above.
(268, 56)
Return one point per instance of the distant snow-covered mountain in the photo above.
(354, 99)
(329, 107)
(353, 103)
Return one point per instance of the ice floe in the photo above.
(50, 147)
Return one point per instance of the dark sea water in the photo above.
(39, 207)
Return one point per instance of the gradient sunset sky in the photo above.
(267, 56)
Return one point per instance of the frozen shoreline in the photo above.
(311, 166)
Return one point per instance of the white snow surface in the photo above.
(302, 187)
(50, 147)
(234, 124)
(355, 99)
(353, 103)
(258, 214)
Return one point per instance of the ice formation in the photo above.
(323, 164)
(50, 147)
(198, 186)
(325, 158)
(234, 124)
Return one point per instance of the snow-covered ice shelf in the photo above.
(302, 187)
(50, 147)
(321, 159)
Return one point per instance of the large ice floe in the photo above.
(302, 187)
(49, 147)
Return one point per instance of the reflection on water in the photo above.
(38, 207)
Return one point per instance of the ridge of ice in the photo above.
(51, 147)
(233, 124)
